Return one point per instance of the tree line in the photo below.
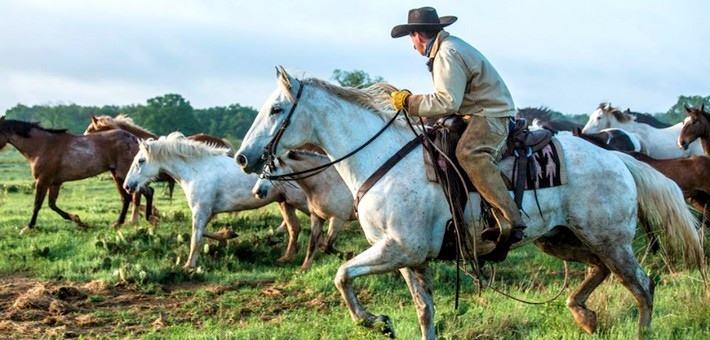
(171, 112)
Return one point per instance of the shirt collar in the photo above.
(429, 45)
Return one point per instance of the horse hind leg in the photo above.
(623, 264)
(53, 194)
(419, 280)
(563, 244)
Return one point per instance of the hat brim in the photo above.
(404, 29)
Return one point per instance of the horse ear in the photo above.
(702, 107)
(94, 120)
(577, 131)
(687, 109)
(283, 76)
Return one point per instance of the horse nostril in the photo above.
(241, 160)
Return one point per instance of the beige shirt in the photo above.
(465, 83)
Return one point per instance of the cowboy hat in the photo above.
(422, 19)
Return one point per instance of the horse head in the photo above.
(695, 126)
(604, 117)
(277, 127)
(144, 168)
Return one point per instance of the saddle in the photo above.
(522, 144)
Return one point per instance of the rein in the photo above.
(269, 154)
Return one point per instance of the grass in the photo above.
(241, 292)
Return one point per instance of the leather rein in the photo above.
(270, 156)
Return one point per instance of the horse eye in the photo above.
(276, 109)
(141, 161)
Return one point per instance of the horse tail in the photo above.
(662, 206)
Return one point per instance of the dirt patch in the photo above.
(34, 308)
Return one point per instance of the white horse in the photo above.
(328, 197)
(658, 143)
(212, 184)
(592, 219)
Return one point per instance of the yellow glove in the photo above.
(399, 98)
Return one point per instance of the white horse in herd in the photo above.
(212, 184)
(592, 219)
(657, 143)
(328, 197)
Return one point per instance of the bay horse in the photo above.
(404, 216)
(57, 156)
(212, 184)
(659, 142)
(328, 197)
(692, 174)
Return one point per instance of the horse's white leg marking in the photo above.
(316, 232)
(419, 280)
(199, 219)
(294, 227)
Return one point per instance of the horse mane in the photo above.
(122, 121)
(177, 145)
(542, 114)
(23, 129)
(375, 98)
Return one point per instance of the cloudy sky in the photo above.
(568, 55)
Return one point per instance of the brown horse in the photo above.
(57, 156)
(123, 122)
(696, 125)
(691, 174)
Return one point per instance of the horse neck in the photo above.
(342, 126)
(34, 146)
(181, 170)
(136, 131)
(304, 163)
(705, 142)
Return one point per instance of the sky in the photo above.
(566, 55)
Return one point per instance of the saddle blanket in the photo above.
(547, 165)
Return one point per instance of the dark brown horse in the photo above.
(56, 157)
(691, 174)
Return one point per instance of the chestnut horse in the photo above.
(57, 156)
(691, 174)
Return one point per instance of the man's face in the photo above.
(419, 42)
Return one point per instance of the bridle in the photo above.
(269, 154)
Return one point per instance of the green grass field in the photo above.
(132, 287)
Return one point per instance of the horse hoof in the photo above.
(383, 324)
(27, 230)
(153, 220)
(284, 259)
(586, 319)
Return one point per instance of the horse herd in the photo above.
(307, 123)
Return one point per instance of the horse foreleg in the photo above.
(384, 256)
(135, 212)
(419, 281)
(576, 302)
(53, 194)
(294, 227)
(40, 192)
(199, 220)
(150, 212)
(316, 232)
(336, 225)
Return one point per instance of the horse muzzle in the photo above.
(248, 165)
(260, 193)
(682, 145)
(130, 187)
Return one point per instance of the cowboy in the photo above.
(466, 84)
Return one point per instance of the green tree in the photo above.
(165, 114)
(677, 112)
(355, 78)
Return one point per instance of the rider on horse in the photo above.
(466, 84)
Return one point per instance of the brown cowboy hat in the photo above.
(422, 19)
